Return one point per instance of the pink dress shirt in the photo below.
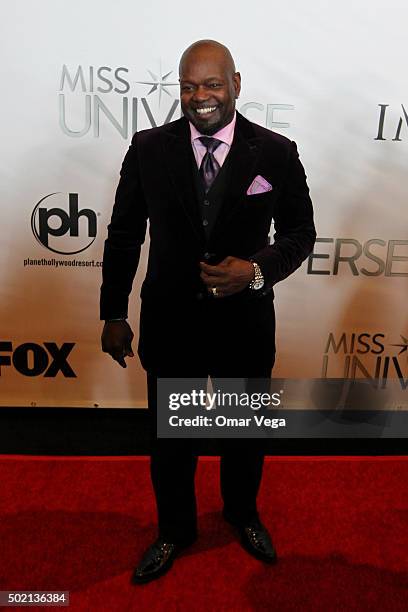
(225, 134)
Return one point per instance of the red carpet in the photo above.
(340, 526)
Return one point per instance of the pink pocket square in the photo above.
(259, 185)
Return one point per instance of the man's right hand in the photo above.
(117, 339)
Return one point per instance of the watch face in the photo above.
(258, 284)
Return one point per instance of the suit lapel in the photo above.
(179, 158)
(242, 159)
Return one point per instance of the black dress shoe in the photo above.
(156, 561)
(256, 540)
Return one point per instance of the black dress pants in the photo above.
(173, 466)
(221, 340)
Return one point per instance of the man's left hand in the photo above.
(228, 277)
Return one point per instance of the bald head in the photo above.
(206, 48)
(209, 85)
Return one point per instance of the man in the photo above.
(210, 185)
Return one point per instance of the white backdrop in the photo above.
(329, 75)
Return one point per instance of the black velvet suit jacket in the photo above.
(178, 318)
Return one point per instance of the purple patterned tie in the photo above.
(209, 167)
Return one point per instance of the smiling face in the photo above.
(209, 86)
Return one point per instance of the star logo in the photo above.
(404, 346)
(159, 84)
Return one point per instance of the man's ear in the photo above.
(237, 84)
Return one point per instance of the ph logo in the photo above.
(49, 224)
(31, 359)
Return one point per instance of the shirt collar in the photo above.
(225, 134)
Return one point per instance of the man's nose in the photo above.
(201, 94)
